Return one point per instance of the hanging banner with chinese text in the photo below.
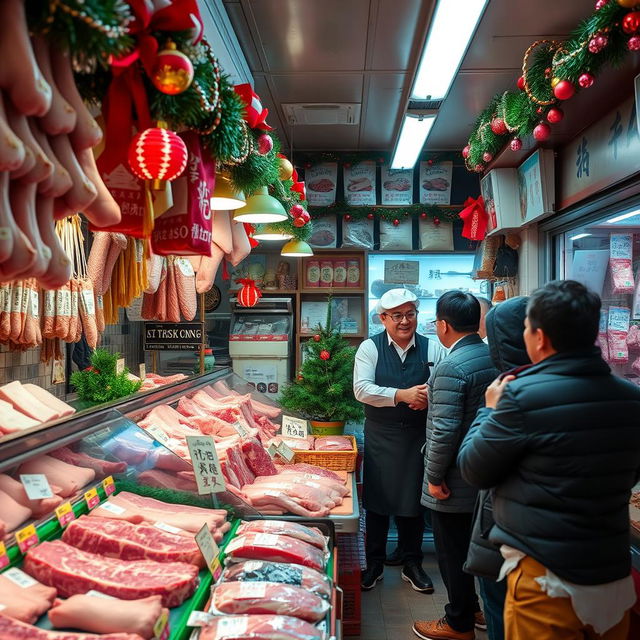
(321, 180)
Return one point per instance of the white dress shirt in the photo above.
(364, 372)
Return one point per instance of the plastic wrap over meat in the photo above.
(333, 443)
(260, 627)
(295, 574)
(310, 535)
(266, 546)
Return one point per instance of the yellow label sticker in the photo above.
(161, 627)
(27, 538)
(109, 485)
(92, 498)
(65, 514)
(4, 558)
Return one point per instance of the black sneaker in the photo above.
(415, 575)
(371, 576)
(395, 558)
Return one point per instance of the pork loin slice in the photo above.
(25, 402)
(310, 535)
(12, 420)
(61, 408)
(72, 571)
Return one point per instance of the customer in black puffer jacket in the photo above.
(560, 444)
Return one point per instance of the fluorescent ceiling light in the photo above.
(413, 135)
(580, 236)
(624, 216)
(452, 28)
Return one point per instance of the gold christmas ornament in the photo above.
(286, 169)
(628, 4)
(173, 71)
(554, 82)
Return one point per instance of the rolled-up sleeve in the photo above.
(364, 374)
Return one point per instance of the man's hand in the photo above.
(418, 406)
(439, 491)
(413, 395)
(494, 391)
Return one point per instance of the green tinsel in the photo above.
(257, 170)
(519, 112)
(387, 213)
(100, 383)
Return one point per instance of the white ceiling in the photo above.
(366, 51)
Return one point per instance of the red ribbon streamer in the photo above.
(475, 219)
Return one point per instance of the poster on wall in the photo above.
(325, 232)
(435, 182)
(321, 180)
(360, 183)
(397, 186)
(536, 186)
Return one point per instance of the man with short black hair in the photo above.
(560, 446)
(485, 305)
(456, 392)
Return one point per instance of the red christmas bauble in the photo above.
(540, 110)
(479, 168)
(299, 222)
(598, 43)
(265, 144)
(347, 217)
(157, 154)
(347, 165)
(429, 162)
(423, 215)
(370, 216)
(600, 4)
(324, 355)
(586, 80)
(307, 165)
(521, 83)
(173, 71)
(436, 221)
(466, 151)
(396, 222)
(317, 337)
(296, 211)
(631, 22)
(542, 132)
(515, 144)
(633, 43)
(498, 126)
(487, 157)
(564, 90)
(555, 115)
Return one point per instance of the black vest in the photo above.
(392, 372)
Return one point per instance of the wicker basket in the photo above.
(335, 460)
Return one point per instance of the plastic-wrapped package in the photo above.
(310, 535)
(284, 573)
(333, 443)
(357, 233)
(267, 597)
(617, 330)
(602, 334)
(621, 252)
(260, 627)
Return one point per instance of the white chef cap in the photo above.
(395, 298)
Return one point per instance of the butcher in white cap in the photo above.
(390, 375)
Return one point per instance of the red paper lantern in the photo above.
(324, 355)
(249, 295)
(157, 154)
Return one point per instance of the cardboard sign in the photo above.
(92, 498)
(209, 550)
(36, 486)
(206, 465)
(65, 514)
(27, 538)
(120, 366)
(294, 427)
(401, 271)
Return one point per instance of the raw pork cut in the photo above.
(127, 541)
(68, 477)
(24, 402)
(62, 408)
(26, 603)
(284, 573)
(12, 513)
(90, 613)
(310, 535)
(102, 468)
(72, 571)
(259, 627)
(333, 443)
(265, 546)
(12, 420)
(11, 629)
(270, 500)
(268, 597)
(312, 468)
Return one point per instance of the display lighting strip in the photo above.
(579, 236)
(413, 135)
(624, 216)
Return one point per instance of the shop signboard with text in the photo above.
(170, 336)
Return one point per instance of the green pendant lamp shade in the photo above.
(261, 208)
(224, 197)
(296, 249)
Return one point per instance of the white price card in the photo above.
(249, 590)
(163, 526)
(143, 371)
(36, 486)
(294, 427)
(119, 366)
(157, 434)
(286, 452)
(199, 619)
(208, 548)
(241, 429)
(619, 318)
(19, 577)
(273, 450)
(206, 465)
(232, 627)
(113, 508)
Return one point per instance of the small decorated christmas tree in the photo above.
(323, 389)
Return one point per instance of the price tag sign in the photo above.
(4, 558)
(161, 627)
(27, 538)
(285, 451)
(241, 429)
(619, 318)
(209, 550)
(19, 578)
(65, 514)
(109, 485)
(272, 450)
(119, 366)
(199, 619)
(143, 371)
(163, 526)
(36, 486)
(92, 498)
(112, 508)
(294, 427)
(206, 465)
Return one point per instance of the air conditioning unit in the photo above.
(501, 199)
(536, 186)
(316, 113)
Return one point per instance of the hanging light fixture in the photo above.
(271, 232)
(224, 197)
(261, 208)
(296, 249)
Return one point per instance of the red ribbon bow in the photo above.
(255, 115)
(475, 219)
(250, 230)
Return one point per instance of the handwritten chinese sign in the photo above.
(294, 427)
(206, 465)
(401, 271)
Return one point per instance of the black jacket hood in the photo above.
(505, 324)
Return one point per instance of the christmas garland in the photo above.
(551, 73)
(388, 214)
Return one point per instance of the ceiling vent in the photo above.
(315, 113)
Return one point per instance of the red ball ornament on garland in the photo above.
(436, 221)
(172, 72)
(307, 165)
(370, 216)
(542, 132)
(515, 144)
(487, 157)
(265, 144)
(429, 162)
(586, 80)
(347, 217)
(498, 126)
(423, 215)
(300, 377)
(396, 222)
(466, 151)
(633, 43)
(479, 168)
(564, 90)
(296, 211)
(521, 83)
(317, 337)
(157, 154)
(555, 115)
(324, 355)
(598, 43)
(600, 4)
(347, 165)
(631, 23)
(301, 220)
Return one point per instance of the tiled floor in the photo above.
(389, 610)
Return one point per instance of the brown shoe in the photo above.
(440, 630)
(480, 622)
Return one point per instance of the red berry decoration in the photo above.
(324, 355)
(515, 144)
(370, 216)
(542, 132)
(396, 222)
(296, 211)
(598, 43)
(498, 126)
(299, 222)
(429, 162)
(631, 23)
(436, 221)
(600, 4)
(586, 80)
(423, 215)
(521, 83)
(265, 144)
(479, 168)
(634, 43)
(347, 217)
(300, 377)
(555, 115)
(347, 165)
(466, 151)
(487, 157)
(317, 337)
(564, 90)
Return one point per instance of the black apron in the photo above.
(394, 436)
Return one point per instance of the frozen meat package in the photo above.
(311, 535)
(260, 627)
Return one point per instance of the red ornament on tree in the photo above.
(515, 144)
(564, 90)
(598, 43)
(429, 162)
(631, 22)
(173, 72)
(396, 222)
(487, 157)
(423, 215)
(498, 126)
(466, 151)
(540, 110)
(479, 168)
(296, 211)
(324, 355)
(521, 83)
(586, 80)
(542, 132)
(436, 221)
(265, 144)
(634, 43)
(317, 337)
(347, 165)
(300, 377)
(157, 154)
(249, 295)
(370, 216)
(555, 115)
(300, 221)
(347, 217)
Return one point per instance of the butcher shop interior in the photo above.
(220, 223)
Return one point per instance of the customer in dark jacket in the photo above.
(505, 324)
(560, 444)
(456, 391)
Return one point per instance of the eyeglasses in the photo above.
(398, 317)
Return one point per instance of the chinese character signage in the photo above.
(206, 465)
(321, 180)
(402, 272)
(294, 427)
(605, 153)
(397, 187)
(435, 182)
(360, 184)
